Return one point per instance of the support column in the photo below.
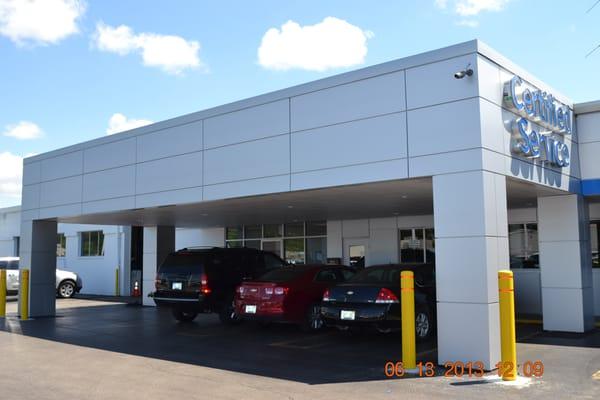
(565, 263)
(471, 233)
(159, 241)
(38, 254)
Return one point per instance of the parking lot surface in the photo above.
(98, 350)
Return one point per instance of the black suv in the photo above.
(191, 281)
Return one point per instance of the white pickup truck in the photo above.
(67, 283)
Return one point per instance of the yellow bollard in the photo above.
(117, 288)
(508, 340)
(24, 293)
(2, 293)
(407, 301)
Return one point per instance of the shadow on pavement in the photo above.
(277, 351)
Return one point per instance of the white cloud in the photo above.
(172, 54)
(332, 43)
(472, 8)
(24, 130)
(471, 23)
(119, 123)
(11, 174)
(39, 21)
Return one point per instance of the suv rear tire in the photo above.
(184, 316)
(227, 314)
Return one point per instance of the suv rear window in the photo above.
(182, 264)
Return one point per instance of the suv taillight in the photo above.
(157, 282)
(386, 296)
(326, 295)
(204, 288)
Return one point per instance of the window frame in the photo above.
(100, 236)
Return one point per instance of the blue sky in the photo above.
(74, 70)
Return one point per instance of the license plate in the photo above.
(177, 286)
(250, 309)
(349, 315)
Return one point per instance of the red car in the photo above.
(290, 294)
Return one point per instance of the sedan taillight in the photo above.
(386, 296)
(326, 295)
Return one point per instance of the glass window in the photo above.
(595, 240)
(316, 250)
(294, 229)
(92, 244)
(3, 264)
(234, 244)
(272, 262)
(316, 228)
(252, 244)
(233, 232)
(370, 275)
(282, 274)
(272, 231)
(252, 231)
(347, 274)
(326, 275)
(61, 245)
(411, 246)
(294, 251)
(430, 245)
(523, 245)
(357, 256)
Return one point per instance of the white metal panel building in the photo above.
(389, 156)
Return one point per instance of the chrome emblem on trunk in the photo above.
(350, 293)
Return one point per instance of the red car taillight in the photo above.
(281, 290)
(386, 296)
(326, 295)
(204, 288)
(240, 289)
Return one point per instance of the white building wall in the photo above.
(10, 227)
(588, 130)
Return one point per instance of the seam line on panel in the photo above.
(203, 117)
(348, 165)
(406, 125)
(290, 137)
(203, 162)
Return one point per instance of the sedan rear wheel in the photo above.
(66, 289)
(313, 321)
(422, 324)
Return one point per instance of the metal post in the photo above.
(2, 293)
(117, 286)
(508, 365)
(24, 293)
(407, 302)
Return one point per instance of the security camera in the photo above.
(465, 72)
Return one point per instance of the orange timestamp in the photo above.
(529, 368)
(460, 369)
(429, 369)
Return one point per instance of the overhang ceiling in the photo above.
(372, 200)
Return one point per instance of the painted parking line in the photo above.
(291, 344)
